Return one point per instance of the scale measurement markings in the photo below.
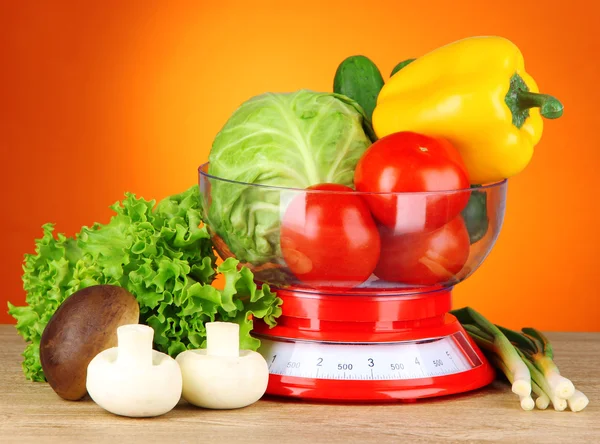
(393, 361)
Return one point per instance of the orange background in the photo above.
(99, 98)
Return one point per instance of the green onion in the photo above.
(578, 401)
(521, 384)
(558, 403)
(527, 402)
(519, 340)
(527, 360)
(542, 401)
(544, 361)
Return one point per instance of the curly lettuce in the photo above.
(164, 256)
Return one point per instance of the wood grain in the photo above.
(33, 413)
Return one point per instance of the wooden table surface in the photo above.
(32, 413)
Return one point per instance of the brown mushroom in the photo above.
(84, 325)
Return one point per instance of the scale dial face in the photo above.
(405, 360)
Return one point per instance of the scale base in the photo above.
(375, 360)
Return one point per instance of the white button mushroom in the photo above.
(222, 376)
(132, 379)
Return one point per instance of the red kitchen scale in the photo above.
(382, 341)
(370, 347)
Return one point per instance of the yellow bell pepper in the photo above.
(476, 94)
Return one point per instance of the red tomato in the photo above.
(408, 162)
(427, 258)
(329, 239)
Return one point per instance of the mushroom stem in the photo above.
(222, 339)
(135, 345)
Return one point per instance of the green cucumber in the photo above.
(358, 78)
(475, 215)
(401, 65)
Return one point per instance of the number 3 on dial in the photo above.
(371, 362)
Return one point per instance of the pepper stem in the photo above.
(550, 107)
(519, 100)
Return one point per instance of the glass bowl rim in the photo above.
(203, 171)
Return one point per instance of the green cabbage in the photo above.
(290, 140)
(163, 257)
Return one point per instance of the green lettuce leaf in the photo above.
(163, 256)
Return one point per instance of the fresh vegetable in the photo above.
(292, 140)
(132, 379)
(475, 93)
(359, 78)
(527, 402)
(84, 325)
(475, 216)
(536, 349)
(407, 162)
(491, 339)
(223, 376)
(542, 356)
(401, 65)
(559, 404)
(428, 258)
(163, 257)
(578, 401)
(329, 238)
(542, 401)
(509, 350)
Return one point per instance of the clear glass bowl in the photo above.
(349, 241)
